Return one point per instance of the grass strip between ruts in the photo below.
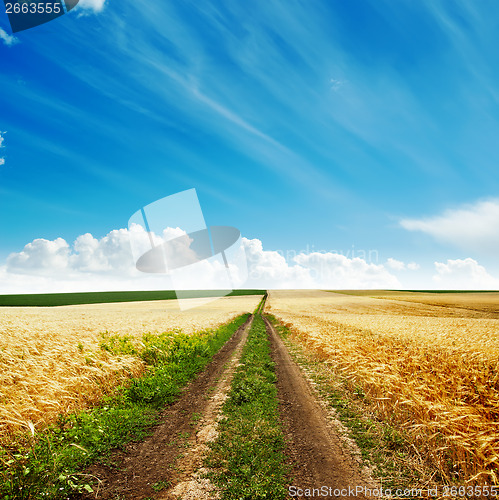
(247, 458)
(49, 464)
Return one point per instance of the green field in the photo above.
(68, 299)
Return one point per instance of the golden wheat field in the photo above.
(428, 362)
(51, 363)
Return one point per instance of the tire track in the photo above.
(163, 459)
(191, 485)
(318, 456)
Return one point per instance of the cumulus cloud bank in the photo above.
(455, 273)
(337, 271)
(110, 254)
(108, 263)
(89, 264)
(471, 227)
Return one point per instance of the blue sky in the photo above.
(313, 124)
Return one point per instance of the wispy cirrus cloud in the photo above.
(7, 39)
(2, 138)
(93, 5)
(337, 84)
(183, 78)
(238, 103)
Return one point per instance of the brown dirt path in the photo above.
(318, 456)
(192, 485)
(148, 468)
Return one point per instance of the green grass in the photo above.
(67, 299)
(49, 464)
(247, 458)
(261, 304)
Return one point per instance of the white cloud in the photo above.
(7, 39)
(11, 282)
(463, 274)
(398, 265)
(108, 263)
(142, 241)
(110, 255)
(471, 227)
(338, 271)
(395, 264)
(89, 264)
(269, 269)
(2, 138)
(95, 5)
(337, 84)
(40, 257)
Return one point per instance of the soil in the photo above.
(318, 455)
(193, 484)
(168, 464)
(158, 462)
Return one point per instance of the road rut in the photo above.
(158, 462)
(318, 456)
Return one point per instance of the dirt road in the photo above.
(165, 466)
(318, 456)
(150, 468)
